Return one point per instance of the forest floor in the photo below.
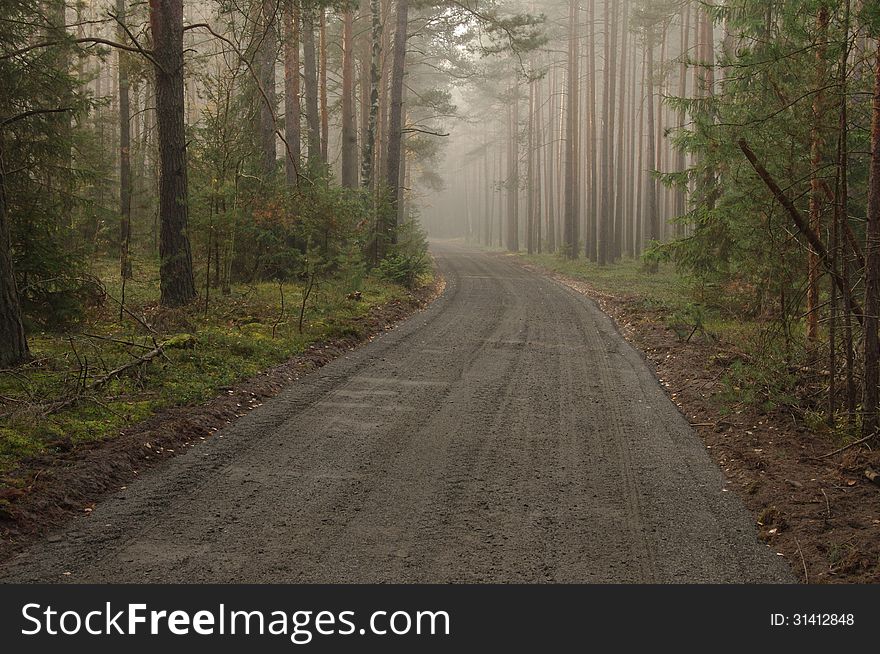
(66, 439)
(818, 510)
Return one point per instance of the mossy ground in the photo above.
(232, 338)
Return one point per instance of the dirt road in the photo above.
(507, 433)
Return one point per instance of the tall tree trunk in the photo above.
(370, 137)
(592, 235)
(266, 52)
(652, 220)
(395, 120)
(530, 174)
(571, 137)
(175, 258)
(870, 419)
(513, 172)
(124, 148)
(609, 208)
(13, 344)
(291, 90)
(349, 130)
(325, 119)
(607, 155)
(619, 179)
(549, 157)
(816, 159)
(310, 75)
(680, 206)
(537, 126)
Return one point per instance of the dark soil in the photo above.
(820, 512)
(45, 492)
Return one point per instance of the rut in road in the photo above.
(505, 434)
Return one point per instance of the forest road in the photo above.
(505, 434)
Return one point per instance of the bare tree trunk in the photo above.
(349, 130)
(681, 192)
(571, 137)
(592, 236)
(124, 149)
(310, 75)
(870, 419)
(530, 174)
(325, 119)
(537, 126)
(652, 221)
(13, 344)
(395, 120)
(549, 156)
(607, 108)
(619, 179)
(268, 40)
(513, 172)
(370, 137)
(816, 160)
(291, 90)
(175, 258)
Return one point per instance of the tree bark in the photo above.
(325, 119)
(349, 130)
(395, 121)
(871, 394)
(571, 137)
(310, 74)
(124, 148)
(175, 258)
(373, 115)
(513, 172)
(291, 90)
(592, 235)
(652, 220)
(266, 66)
(13, 344)
(816, 157)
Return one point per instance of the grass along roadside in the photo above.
(57, 401)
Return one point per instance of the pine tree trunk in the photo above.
(608, 165)
(124, 149)
(592, 235)
(370, 137)
(681, 192)
(13, 344)
(652, 220)
(513, 172)
(291, 90)
(266, 66)
(349, 130)
(310, 76)
(571, 138)
(175, 258)
(395, 120)
(620, 137)
(816, 160)
(530, 173)
(325, 119)
(537, 126)
(870, 419)
(603, 236)
(549, 157)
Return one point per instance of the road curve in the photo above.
(505, 434)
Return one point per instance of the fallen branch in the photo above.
(846, 447)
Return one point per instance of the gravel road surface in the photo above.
(505, 434)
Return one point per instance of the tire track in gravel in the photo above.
(506, 433)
